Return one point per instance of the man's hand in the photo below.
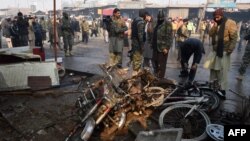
(229, 52)
(185, 65)
(142, 49)
(126, 32)
(165, 51)
(194, 66)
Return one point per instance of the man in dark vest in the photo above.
(138, 39)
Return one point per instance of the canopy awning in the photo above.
(107, 12)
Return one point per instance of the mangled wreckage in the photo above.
(117, 100)
(113, 100)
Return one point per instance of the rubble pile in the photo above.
(115, 101)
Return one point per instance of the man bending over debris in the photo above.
(190, 46)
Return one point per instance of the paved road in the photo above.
(46, 116)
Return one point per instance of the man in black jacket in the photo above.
(190, 47)
(22, 25)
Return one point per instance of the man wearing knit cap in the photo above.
(224, 38)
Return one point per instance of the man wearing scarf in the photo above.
(161, 43)
(224, 38)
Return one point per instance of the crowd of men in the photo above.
(151, 39)
(23, 30)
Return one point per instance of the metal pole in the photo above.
(43, 5)
(61, 9)
(55, 50)
(202, 15)
(168, 8)
(18, 5)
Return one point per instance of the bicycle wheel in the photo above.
(213, 100)
(194, 126)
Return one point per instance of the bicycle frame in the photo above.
(196, 101)
(185, 100)
(212, 85)
(189, 99)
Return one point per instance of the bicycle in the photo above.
(189, 117)
(153, 94)
(189, 112)
(212, 85)
(186, 108)
(194, 92)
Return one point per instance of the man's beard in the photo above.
(218, 21)
(160, 21)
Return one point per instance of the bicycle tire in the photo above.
(84, 132)
(190, 125)
(213, 100)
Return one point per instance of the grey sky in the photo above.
(48, 4)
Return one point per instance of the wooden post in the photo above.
(55, 49)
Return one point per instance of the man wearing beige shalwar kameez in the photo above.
(224, 38)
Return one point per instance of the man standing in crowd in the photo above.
(203, 26)
(76, 28)
(137, 39)
(42, 22)
(68, 35)
(6, 26)
(245, 58)
(38, 31)
(31, 34)
(94, 28)
(242, 29)
(22, 25)
(54, 35)
(116, 38)
(106, 27)
(162, 41)
(85, 31)
(224, 39)
(148, 50)
(182, 35)
(191, 47)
